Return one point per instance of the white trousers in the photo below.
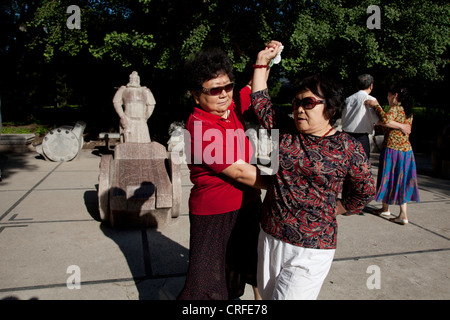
(288, 272)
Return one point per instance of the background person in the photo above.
(299, 228)
(397, 174)
(358, 120)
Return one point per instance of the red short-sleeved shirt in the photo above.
(244, 96)
(212, 145)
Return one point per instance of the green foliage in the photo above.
(415, 38)
(14, 130)
(50, 34)
(124, 47)
(38, 130)
(332, 36)
(193, 43)
(43, 59)
(319, 36)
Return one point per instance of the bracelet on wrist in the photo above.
(260, 66)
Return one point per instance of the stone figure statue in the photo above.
(134, 105)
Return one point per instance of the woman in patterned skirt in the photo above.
(397, 176)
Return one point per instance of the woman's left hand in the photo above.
(270, 51)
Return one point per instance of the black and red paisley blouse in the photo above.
(301, 200)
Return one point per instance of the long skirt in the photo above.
(242, 250)
(223, 254)
(397, 177)
(206, 278)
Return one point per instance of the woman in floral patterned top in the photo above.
(397, 175)
(299, 228)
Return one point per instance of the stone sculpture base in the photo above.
(16, 142)
(139, 187)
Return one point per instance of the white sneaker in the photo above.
(385, 214)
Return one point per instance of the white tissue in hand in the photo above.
(277, 59)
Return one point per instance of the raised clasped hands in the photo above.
(270, 51)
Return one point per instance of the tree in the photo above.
(47, 63)
(332, 36)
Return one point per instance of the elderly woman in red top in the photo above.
(299, 228)
(218, 154)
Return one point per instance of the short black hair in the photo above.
(326, 88)
(364, 81)
(206, 65)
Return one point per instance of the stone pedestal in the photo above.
(139, 187)
(16, 142)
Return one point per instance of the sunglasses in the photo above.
(306, 103)
(218, 90)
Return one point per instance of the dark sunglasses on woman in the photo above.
(218, 90)
(306, 103)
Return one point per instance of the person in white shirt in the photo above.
(357, 119)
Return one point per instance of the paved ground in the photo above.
(50, 235)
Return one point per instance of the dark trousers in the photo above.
(364, 139)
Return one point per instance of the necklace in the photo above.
(316, 142)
